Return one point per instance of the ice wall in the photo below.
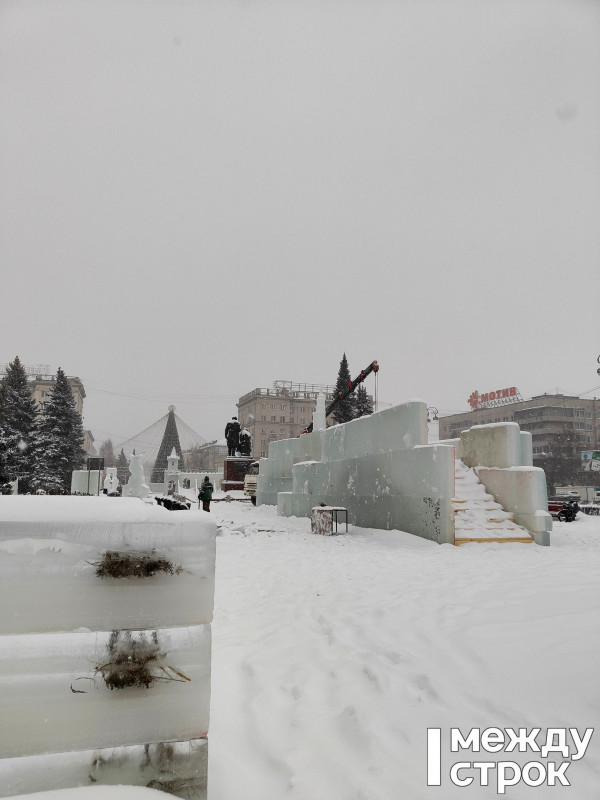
(379, 467)
(105, 612)
(85, 481)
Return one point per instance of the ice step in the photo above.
(76, 691)
(477, 516)
(468, 502)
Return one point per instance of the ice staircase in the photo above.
(477, 516)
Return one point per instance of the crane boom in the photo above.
(373, 367)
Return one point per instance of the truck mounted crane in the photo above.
(373, 367)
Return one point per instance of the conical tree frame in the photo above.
(170, 440)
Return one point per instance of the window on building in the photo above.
(273, 419)
(263, 419)
(283, 406)
(263, 441)
(291, 420)
(272, 430)
(282, 419)
(273, 406)
(281, 431)
(302, 421)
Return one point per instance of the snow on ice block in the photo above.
(77, 691)
(179, 768)
(102, 563)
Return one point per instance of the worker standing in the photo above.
(205, 494)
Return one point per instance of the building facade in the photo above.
(41, 383)
(547, 417)
(42, 386)
(209, 457)
(282, 412)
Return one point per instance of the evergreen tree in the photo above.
(17, 418)
(58, 445)
(344, 411)
(108, 454)
(364, 406)
(123, 472)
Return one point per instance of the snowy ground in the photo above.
(333, 655)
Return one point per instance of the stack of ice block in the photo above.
(105, 612)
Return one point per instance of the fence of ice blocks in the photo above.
(105, 640)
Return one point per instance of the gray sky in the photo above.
(199, 198)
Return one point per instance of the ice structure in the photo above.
(105, 612)
(111, 482)
(381, 468)
(500, 454)
(136, 486)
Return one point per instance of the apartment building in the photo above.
(546, 416)
(279, 413)
(42, 386)
(42, 382)
(208, 457)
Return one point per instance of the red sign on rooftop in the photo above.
(498, 397)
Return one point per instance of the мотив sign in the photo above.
(498, 397)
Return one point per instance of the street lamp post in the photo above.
(432, 414)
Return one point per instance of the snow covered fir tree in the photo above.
(108, 454)
(363, 404)
(123, 472)
(17, 420)
(345, 409)
(58, 440)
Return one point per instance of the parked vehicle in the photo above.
(593, 509)
(251, 481)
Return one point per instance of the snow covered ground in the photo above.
(333, 655)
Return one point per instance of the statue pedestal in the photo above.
(235, 469)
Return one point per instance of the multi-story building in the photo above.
(208, 457)
(42, 382)
(279, 413)
(548, 417)
(42, 386)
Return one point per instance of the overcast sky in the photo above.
(199, 198)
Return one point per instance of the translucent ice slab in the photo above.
(178, 768)
(76, 691)
(119, 564)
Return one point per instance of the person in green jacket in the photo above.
(205, 494)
